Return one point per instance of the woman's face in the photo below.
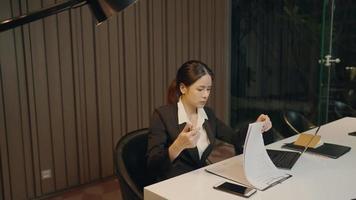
(197, 94)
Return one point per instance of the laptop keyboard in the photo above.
(283, 159)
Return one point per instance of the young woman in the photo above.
(184, 131)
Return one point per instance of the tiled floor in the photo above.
(110, 190)
(106, 190)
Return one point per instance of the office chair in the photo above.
(296, 122)
(343, 110)
(130, 164)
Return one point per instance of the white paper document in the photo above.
(259, 168)
(256, 168)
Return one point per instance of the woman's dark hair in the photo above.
(187, 74)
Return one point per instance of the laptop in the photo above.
(283, 159)
(287, 159)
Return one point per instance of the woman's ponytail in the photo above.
(173, 93)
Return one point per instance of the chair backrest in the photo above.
(296, 122)
(343, 110)
(130, 164)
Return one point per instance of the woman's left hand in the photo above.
(267, 122)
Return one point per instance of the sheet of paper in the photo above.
(232, 170)
(255, 168)
(258, 167)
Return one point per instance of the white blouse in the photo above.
(203, 140)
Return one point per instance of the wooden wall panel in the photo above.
(55, 100)
(12, 145)
(90, 113)
(130, 67)
(71, 99)
(121, 77)
(114, 81)
(31, 108)
(221, 44)
(26, 137)
(157, 72)
(104, 101)
(143, 64)
(5, 178)
(12, 151)
(5, 163)
(171, 50)
(179, 30)
(69, 89)
(79, 111)
(194, 29)
(1, 182)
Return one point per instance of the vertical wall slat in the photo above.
(1, 176)
(104, 101)
(41, 103)
(55, 101)
(71, 99)
(171, 31)
(221, 57)
(144, 63)
(5, 174)
(91, 111)
(138, 65)
(121, 66)
(185, 30)
(40, 84)
(179, 33)
(32, 108)
(26, 131)
(12, 116)
(62, 38)
(23, 97)
(18, 113)
(5, 165)
(157, 43)
(114, 81)
(150, 31)
(80, 99)
(193, 29)
(130, 67)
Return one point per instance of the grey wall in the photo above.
(70, 90)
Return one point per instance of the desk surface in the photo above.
(314, 177)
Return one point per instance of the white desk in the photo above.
(314, 177)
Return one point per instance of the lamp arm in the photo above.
(23, 19)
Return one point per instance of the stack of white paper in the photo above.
(256, 168)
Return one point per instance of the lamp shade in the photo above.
(103, 9)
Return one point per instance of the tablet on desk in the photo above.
(327, 149)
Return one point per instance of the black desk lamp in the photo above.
(102, 9)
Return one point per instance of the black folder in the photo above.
(327, 149)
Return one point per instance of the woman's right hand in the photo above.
(188, 138)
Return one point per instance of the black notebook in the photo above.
(327, 149)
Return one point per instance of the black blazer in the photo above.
(164, 130)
